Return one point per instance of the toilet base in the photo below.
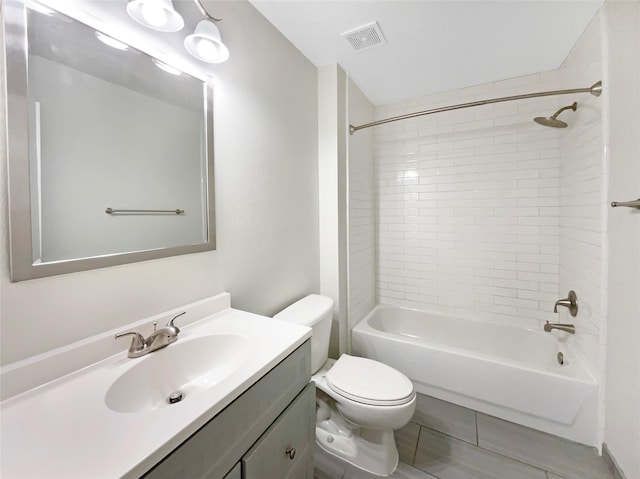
(372, 450)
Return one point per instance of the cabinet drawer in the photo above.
(285, 450)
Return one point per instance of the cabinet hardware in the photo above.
(290, 452)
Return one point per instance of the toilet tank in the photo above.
(316, 312)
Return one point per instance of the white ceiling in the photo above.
(433, 45)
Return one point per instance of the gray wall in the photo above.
(266, 209)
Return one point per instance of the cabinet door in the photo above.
(285, 450)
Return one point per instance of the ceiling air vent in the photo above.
(365, 37)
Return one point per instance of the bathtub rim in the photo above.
(585, 376)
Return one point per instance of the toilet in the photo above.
(359, 402)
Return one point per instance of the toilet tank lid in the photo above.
(307, 311)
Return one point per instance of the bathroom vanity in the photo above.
(267, 432)
(247, 407)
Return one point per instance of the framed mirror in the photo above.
(110, 150)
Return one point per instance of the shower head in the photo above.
(550, 122)
(553, 121)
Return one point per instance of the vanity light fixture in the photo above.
(204, 43)
(112, 42)
(156, 14)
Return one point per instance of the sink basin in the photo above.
(180, 370)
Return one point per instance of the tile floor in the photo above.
(445, 441)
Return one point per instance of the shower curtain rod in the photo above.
(595, 90)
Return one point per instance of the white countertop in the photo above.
(65, 429)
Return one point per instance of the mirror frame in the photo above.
(19, 195)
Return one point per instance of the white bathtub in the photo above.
(501, 370)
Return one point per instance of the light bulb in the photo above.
(158, 15)
(205, 43)
(154, 14)
(207, 49)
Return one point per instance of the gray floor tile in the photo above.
(405, 471)
(551, 475)
(567, 459)
(406, 441)
(320, 474)
(447, 418)
(326, 466)
(352, 472)
(449, 458)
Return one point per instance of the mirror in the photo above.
(110, 150)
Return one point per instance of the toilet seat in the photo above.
(369, 382)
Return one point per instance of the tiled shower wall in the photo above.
(583, 212)
(468, 204)
(362, 224)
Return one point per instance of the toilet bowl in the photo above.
(360, 402)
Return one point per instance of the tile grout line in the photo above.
(415, 449)
(561, 474)
(416, 452)
(547, 472)
(475, 415)
(481, 448)
(449, 435)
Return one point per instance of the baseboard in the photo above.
(611, 463)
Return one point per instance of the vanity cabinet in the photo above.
(267, 432)
(285, 450)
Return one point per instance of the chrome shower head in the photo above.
(553, 121)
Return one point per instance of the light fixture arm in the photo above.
(205, 13)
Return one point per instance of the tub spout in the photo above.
(567, 328)
(571, 302)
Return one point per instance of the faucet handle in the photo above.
(170, 323)
(137, 343)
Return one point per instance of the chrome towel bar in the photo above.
(628, 204)
(110, 211)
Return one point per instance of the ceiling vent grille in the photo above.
(365, 37)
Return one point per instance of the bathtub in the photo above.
(509, 372)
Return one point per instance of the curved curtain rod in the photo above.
(595, 90)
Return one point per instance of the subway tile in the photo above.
(446, 418)
(568, 459)
(449, 458)
(481, 188)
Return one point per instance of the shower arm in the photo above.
(568, 107)
(595, 90)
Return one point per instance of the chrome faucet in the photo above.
(571, 302)
(567, 328)
(157, 340)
